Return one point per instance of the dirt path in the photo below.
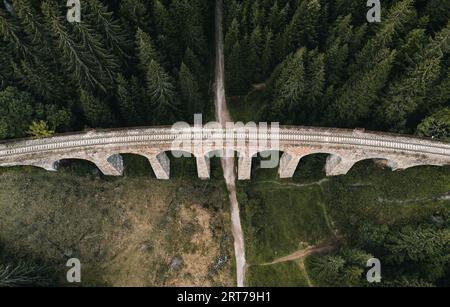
(287, 184)
(323, 248)
(223, 116)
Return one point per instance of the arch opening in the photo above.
(79, 167)
(266, 164)
(312, 167)
(137, 165)
(183, 164)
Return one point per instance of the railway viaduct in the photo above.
(345, 148)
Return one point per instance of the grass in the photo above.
(288, 274)
(279, 218)
(126, 231)
(279, 214)
(371, 194)
(242, 108)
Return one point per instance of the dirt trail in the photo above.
(223, 116)
(323, 248)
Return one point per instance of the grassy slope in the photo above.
(124, 230)
(278, 214)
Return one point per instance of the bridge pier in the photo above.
(109, 165)
(161, 165)
(51, 166)
(337, 165)
(288, 165)
(203, 167)
(244, 167)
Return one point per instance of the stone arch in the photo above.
(335, 163)
(134, 162)
(110, 164)
(176, 160)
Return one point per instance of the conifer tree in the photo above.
(96, 111)
(256, 50)
(161, 92)
(33, 26)
(134, 13)
(356, 98)
(105, 63)
(128, 101)
(190, 92)
(10, 31)
(267, 54)
(16, 112)
(304, 27)
(436, 125)
(407, 94)
(146, 49)
(81, 63)
(35, 76)
(115, 36)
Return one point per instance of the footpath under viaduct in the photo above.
(345, 148)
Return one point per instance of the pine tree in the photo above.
(135, 14)
(304, 27)
(166, 31)
(234, 74)
(356, 98)
(146, 49)
(315, 86)
(278, 17)
(16, 112)
(6, 65)
(96, 111)
(258, 14)
(397, 18)
(190, 92)
(256, 49)
(189, 26)
(10, 31)
(436, 125)
(291, 83)
(38, 80)
(128, 102)
(161, 92)
(81, 63)
(115, 36)
(33, 25)
(407, 94)
(234, 70)
(267, 54)
(105, 63)
(196, 67)
(337, 54)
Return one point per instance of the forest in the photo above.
(298, 62)
(128, 63)
(136, 62)
(321, 63)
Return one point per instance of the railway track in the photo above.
(285, 137)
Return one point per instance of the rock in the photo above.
(176, 263)
(144, 248)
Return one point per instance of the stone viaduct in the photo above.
(345, 148)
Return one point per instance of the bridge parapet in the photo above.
(345, 147)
